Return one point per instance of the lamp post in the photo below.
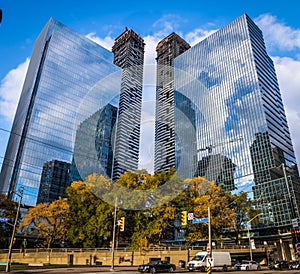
(14, 231)
(249, 222)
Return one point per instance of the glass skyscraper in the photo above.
(71, 85)
(228, 109)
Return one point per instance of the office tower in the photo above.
(54, 180)
(167, 50)
(128, 52)
(69, 79)
(240, 128)
(94, 140)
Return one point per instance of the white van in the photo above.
(217, 260)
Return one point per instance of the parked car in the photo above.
(279, 265)
(294, 265)
(250, 265)
(237, 267)
(157, 266)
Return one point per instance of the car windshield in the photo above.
(198, 258)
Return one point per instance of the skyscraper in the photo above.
(69, 79)
(128, 52)
(241, 135)
(167, 50)
(54, 180)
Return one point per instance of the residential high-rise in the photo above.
(241, 132)
(69, 79)
(167, 50)
(128, 52)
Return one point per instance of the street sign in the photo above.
(295, 222)
(208, 249)
(297, 247)
(190, 216)
(200, 220)
(3, 220)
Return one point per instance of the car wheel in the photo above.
(258, 268)
(225, 268)
(171, 269)
(247, 268)
(202, 269)
(153, 270)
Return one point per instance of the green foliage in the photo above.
(90, 222)
(244, 211)
(151, 205)
(8, 209)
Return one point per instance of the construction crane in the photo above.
(210, 147)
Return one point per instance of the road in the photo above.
(103, 270)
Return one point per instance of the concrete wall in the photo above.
(104, 257)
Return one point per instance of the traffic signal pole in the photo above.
(14, 230)
(113, 239)
(209, 248)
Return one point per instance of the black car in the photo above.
(295, 265)
(157, 266)
(279, 265)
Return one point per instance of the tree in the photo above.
(244, 211)
(47, 220)
(91, 219)
(8, 209)
(200, 194)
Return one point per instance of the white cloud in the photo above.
(106, 42)
(10, 90)
(277, 34)
(288, 72)
(194, 37)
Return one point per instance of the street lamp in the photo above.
(14, 230)
(249, 222)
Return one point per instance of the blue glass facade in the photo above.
(239, 127)
(69, 79)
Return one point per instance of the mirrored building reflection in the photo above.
(242, 139)
(69, 80)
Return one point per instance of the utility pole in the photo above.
(209, 233)
(14, 230)
(209, 260)
(114, 236)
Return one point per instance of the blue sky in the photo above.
(102, 21)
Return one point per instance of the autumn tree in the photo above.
(200, 194)
(145, 200)
(47, 220)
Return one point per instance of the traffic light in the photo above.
(183, 218)
(110, 244)
(122, 223)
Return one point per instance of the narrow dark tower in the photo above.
(128, 52)
(167, 50)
